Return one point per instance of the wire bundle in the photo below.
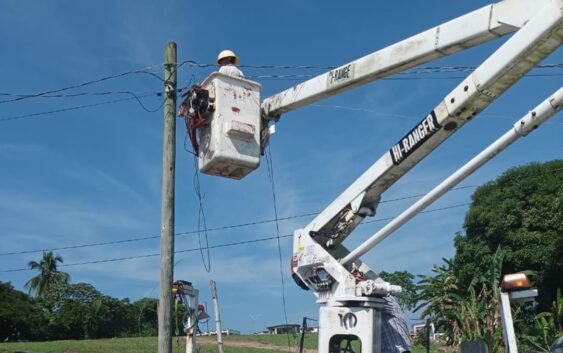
(195, 109)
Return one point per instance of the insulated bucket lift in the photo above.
(349, 292)
(229, 145)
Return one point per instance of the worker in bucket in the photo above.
(227, 61)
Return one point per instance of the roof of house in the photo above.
(283, 326)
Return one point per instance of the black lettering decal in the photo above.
(415, 138)
(340, 74)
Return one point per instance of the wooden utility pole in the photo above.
(217, 317)
(167, 219)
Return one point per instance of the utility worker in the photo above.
(227, 60)
(394, 331)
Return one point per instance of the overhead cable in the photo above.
(83, 84)
(276, 237)
(155, 254)
(240, 225)
(31, 115)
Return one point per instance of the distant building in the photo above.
(416, 328)
(227, 332)
(283, 329)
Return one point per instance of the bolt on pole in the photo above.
(167, 220)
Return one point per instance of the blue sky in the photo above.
(94, 175)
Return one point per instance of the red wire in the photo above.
(193, 122)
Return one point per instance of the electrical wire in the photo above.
(201, 219)
(156, 254)
(270, 167)
(300, 77)
(419, 69)
(408, 117)
(240, 225)
(416, 70)
(135, 97)
(72, 95)
(276, 237)
(83, 84)
(50, 94)
(427, 211)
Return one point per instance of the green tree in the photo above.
(144, 314)
(522, 211)
(49, 275)
(407, 299)
(80, 311)
(20, 316)
(71, 310)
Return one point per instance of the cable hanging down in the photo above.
(270, 167)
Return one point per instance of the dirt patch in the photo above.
(212, 340)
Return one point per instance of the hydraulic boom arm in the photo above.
(318, 245)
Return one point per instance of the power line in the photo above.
(72, 95)
(276, 237)
(155, 254)
(300, 77)
(419, 69)
(83, 84)
(135, 97)
(416, 70)
(148, 237)
(427, 211)
(240, 225)
(50, 94)
(402, 116)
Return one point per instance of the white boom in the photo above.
(350, 291)
(539, 37)
(521, 128)
(487, 23)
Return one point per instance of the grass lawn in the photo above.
(149, 345)
(117, 345)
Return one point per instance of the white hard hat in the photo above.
(228, 54)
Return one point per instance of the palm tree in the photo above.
(49, 276)
(440, 296)
(461, 311)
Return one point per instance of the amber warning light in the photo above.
(515, 282)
